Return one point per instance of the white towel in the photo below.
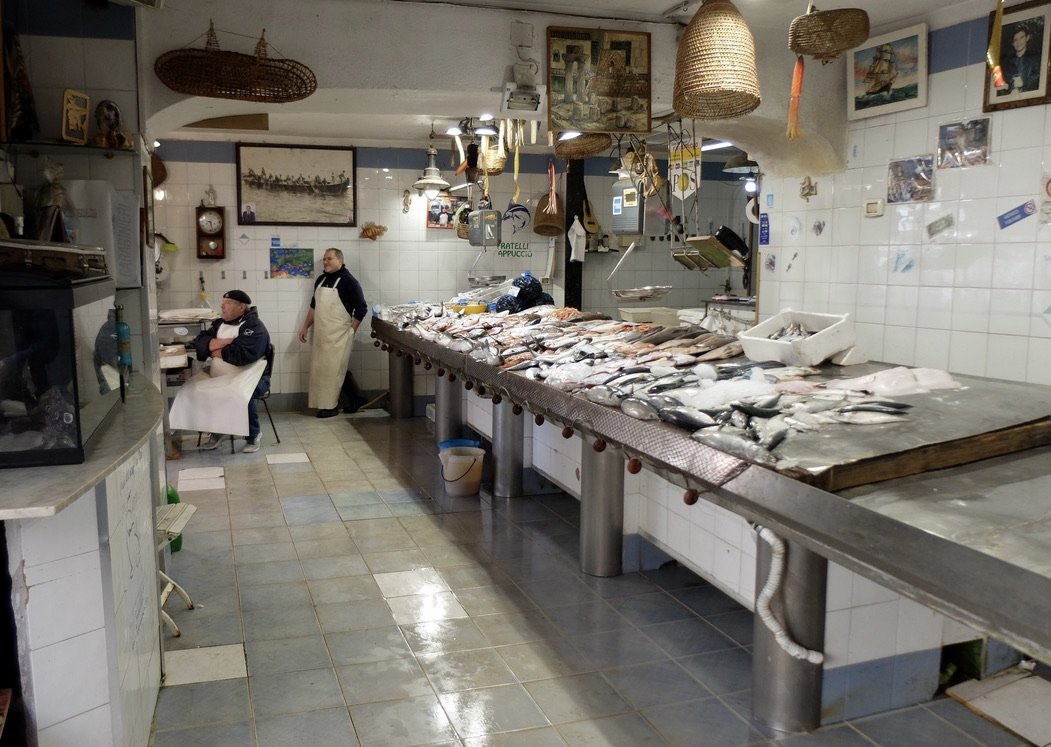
(578, 238)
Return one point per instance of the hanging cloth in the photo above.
(330, 352)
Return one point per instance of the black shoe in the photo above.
(357, 405)
(331, 413)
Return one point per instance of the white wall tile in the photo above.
(873, 631)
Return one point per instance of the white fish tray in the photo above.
(833, 334)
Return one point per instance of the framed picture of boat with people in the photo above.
(888, 73)
(296, 185)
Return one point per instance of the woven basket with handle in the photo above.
(587, 144)
(825, 34)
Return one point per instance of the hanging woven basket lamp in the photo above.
(715, 75)
(823, 35)
(231, 75)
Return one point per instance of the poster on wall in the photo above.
(888, 73)
(291, 263)
(910, 179)
(963, 143)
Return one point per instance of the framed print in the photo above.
(75, 116)
(598, 80)
(910, 180)
(1024, 58)
(888, 73)
(442, 209)
(296, 185)
(291, 262)
(963, 143)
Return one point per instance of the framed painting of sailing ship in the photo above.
(1021, 50)
(598, 80)
(888, 73)
(296, 185)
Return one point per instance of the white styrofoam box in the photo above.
(662, 315)
(832, 333)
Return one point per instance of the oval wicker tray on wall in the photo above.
(231, 75)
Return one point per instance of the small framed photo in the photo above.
(1024, 59)
(442, 209)
(963, 143)
(888, 73)
(910, 179)
(75, 116)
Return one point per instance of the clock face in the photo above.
(210, 221)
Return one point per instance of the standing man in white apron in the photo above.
(336, 311)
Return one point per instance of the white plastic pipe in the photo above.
(762, 602)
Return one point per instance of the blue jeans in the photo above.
(253, 409)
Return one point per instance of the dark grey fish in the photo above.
(605, 395)
(686, 417)
(735, 446)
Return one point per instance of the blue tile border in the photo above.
(870, 687)
(76, 20)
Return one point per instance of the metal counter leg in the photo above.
(786, 691)
(400, 373)
(448, 409)
(601, 510)
(508, 435)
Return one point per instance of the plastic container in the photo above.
(832, 334)
(454, 442)
(173, 497)
(462, 469)
(662, 315)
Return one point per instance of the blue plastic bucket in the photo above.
(459, 442)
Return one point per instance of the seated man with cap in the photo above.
(235, 347)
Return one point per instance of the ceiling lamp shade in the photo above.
(715, 75)
(431, 183)
(740, 164)
(825, 34)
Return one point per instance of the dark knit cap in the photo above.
(239, 296)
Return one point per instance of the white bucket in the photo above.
(462, 469)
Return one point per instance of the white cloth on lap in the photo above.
(217, 402)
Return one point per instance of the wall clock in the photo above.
(211, 231)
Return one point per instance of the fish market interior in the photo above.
(404, 372)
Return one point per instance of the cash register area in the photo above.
(344, 598)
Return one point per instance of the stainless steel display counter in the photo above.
(1001, 589)
(31, 492)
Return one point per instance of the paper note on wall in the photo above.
(127, 273)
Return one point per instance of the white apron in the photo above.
(330, 352)
(216, 400)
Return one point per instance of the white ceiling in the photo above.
(389, 121)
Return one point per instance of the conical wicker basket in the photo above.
(715, 74)
(588, 144)
(825, 34)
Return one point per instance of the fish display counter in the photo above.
(866, 495)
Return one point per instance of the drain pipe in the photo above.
(789, 634)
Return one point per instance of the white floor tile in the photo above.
(286, 458)
(209, 483)
(204, 664)
(1021, 706)
(195, 473)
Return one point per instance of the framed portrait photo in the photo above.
(442, 210)
(296, 185)
(1024, 59)
(598, 80)
(888, 73)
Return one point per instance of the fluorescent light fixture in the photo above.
(716, 145)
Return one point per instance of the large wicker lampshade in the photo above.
(715, 76)
(825, 34)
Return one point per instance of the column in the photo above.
(601, 509)
(400, 373)
(508, 435)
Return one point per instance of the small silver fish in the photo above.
(638, 409)
(735, 446)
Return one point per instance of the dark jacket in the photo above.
(349, 290)
(249, 346)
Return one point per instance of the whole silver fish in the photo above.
(735, 446)
(638, 409)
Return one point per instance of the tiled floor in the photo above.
(375, 610)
